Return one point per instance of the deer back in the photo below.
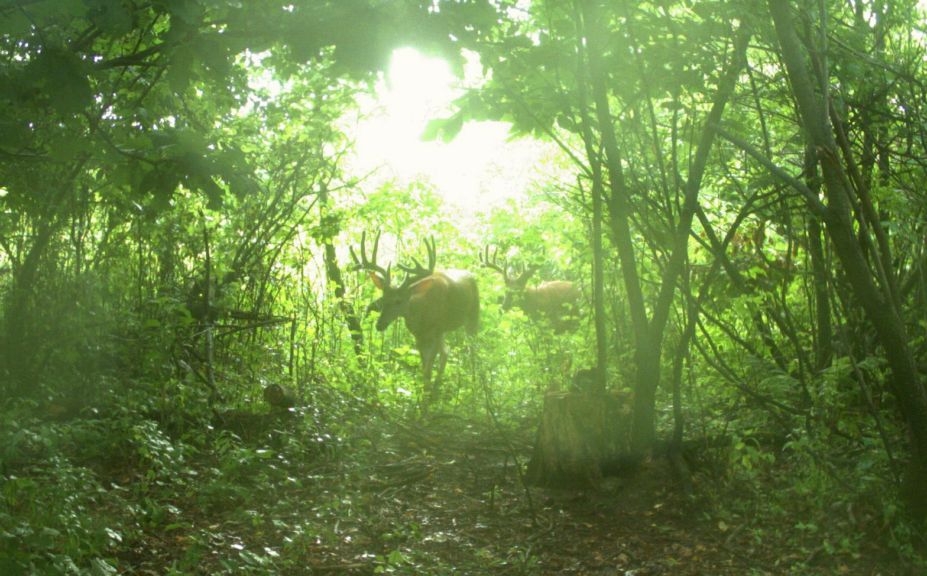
(443, 302)
(552, 299)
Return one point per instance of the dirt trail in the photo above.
(444, 496)
(455, 487)
(449, 495)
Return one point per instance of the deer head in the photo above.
(395, 300)
(515, 285)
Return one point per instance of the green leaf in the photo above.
(444, 128)
(72, 93)
(215, 57)
(214, 193)
(161, 183)
(190, 12)
(102, 567)
(113, 18)
(62, 77)
(66, 147)
(181, 71)
(15, 23)
(15, 134)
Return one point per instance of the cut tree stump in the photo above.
(579, 431)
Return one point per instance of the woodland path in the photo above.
(455, 487)
(444, 496)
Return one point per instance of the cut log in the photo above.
(579, 431)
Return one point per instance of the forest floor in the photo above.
(444, 496)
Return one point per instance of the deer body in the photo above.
(555, 301)
(441, 303)
(431, 303)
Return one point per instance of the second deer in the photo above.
(556, 301)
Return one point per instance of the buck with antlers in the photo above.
(556, 301)
(431, 302)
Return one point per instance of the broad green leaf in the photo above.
(444, 128)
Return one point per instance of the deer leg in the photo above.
(442, 361)
(427, 351)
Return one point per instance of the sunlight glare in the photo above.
(479, 169)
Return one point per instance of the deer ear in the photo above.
(422, 286)
(377, 281)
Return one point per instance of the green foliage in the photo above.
(176, 210)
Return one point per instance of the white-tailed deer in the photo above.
(556, 301)
(431, 302)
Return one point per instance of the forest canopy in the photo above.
(643, 291)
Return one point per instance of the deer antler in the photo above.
(370, 265)
(416, 271)
(523, 273)
(519, 274)
(492, 262)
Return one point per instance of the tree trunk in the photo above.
(879, 305)
(333, 272)
(579, 432)
(18, 338)
(334, 275)
(598, 209)
(649, 335)
(824, 346)
(598, 286)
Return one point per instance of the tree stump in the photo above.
(579, 431)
